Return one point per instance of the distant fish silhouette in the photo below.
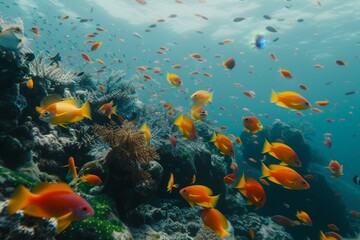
(356, 180)
(55, 59)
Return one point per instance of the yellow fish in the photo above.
(56, 111)
(186, 127)
(174, 79)
(202, 97)
(147, 133)
(198, 113)
(171, 184)
(282, 152)
(290, 100)
(107, 109)
(224, 144)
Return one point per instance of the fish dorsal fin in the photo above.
(51, 99)
(275, 167)
(46, 187)
(204, 189)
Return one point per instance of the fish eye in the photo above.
(307, 104)
(184, 190)
(46, 114)
(85, 209)
(245, 119)
(303, 183)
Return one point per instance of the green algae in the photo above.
(13, 178)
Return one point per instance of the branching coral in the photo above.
(127, 142)
(51, 74)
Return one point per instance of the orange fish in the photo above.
(101, 88)
(100, 61)
(216, 221)
(316, 110)
(230, 178)
(30, 83)
(147, 133)
(193, 179)
(207, 74)
(172, 140)
(202, 97)
(250, 94)
(228, 41)
(224, 144)
(252, 124)
(156, 70)
(36, 30)
(282, 152)
(176, 66)
(285, 176)
(285, 73)
(51, 200)
(303, 87)
(142, 68)
(304, 218)
(252, 233)
(199, 195)
(341, 62)
(198, 113)
(95, 46)
(333, 227)
(195, 55)
(91, 179)
(174, 79)
(86, 57)
(253, 190)
(107, 109)
(238, 140)
(318, 66)
(290, 100)
(335, 169)
(324, 237)
(171, 184)
(322, 103)
(65, 17)
(186, 127)
(101, 29)
(229, 63)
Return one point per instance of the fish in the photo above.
(354, 213)
(202, 97)
(253, 190)
(86, 58)
(323, 102)
(72, 169)
(282, 152)
(35, 30)
(328, 142)
(250, 94)
(195, 55)
(304, 218)
(30, 83)
(230, 178)
(55, 59)
(303, 87)
(172, 140)
(12, 39)
(147, 133)
(91, 179)
(171, 184)
(324, 237)
(100, 61)
(333, 227)
(284, 176)
(289, 99)
(333, 236)
(251, 233)
(252, 124)
(54, 110)
(273, 57)
(341, 62)
(51, 200)
(238, 140)
(216, 221)
(198, 113)
(234, 166)
(284, 221)
(335, 169)
(107, 109)
(285, 73)
(229, 63)
(186, 127)
(224, 144)
(199, 195)
(174, 79)
(193, 179)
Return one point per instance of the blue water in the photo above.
(327, 33)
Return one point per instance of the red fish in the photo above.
(91, 179)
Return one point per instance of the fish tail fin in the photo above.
(267, 147)
(241, 184)
(265, 171)
(63, 222)
(213, 201)
(113, 110)
(85, 109)
(213, 137)
(176, 186)
(211, 96)
(143, 127)
(274, 97)
(19, 200)
(224, 234)
(179, 120)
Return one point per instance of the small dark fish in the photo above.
(80, 74)
(200, 32)
(238, 19)
(221, 43)
(152, 26)
(351, 92)
(85, 20)
(172, 16)
(147, 30)
(284, 221)
(275, 39)
(267, 17)
(356, 180)
(328, 83)
(300, 20)
(271, 29)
